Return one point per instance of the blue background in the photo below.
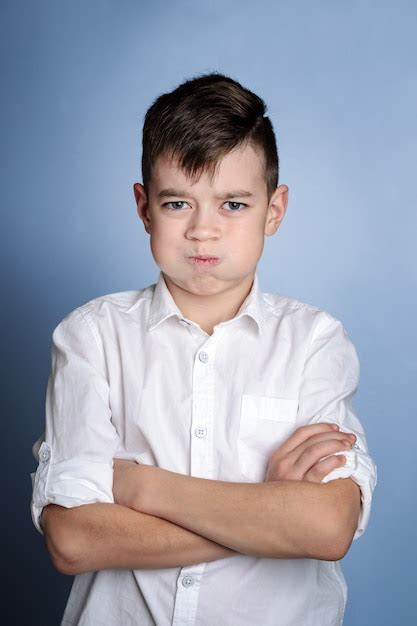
(340, 82)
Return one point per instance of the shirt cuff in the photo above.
(69, 483)
(361, 468)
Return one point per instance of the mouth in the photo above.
(204, 260)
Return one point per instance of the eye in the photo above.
(176, 202)
(177, 205)
(235, 209)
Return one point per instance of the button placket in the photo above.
(186, 599)
(200, 417)
(201, 465)
(201, 461)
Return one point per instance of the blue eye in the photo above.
(236, 210)
(174, 202)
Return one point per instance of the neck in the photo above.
(212, 309)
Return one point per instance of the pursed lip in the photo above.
(204, 256)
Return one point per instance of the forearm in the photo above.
(110, 536)
(282, 519)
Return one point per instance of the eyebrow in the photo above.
(239, 193)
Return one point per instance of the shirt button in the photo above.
(44, 455)
(188, 581)
(355, 445)
(204, 357)
(200, 431)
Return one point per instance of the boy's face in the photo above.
(210, 218)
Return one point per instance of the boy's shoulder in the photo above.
(282, 304)
(299, 313)
(117, 303)
(123, 300)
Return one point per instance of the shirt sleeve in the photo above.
(329, 383)
(75, 453)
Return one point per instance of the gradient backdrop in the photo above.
(340, 81)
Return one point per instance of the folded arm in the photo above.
(101, 535)
(194, 520)
(280, 519)
(182, 520)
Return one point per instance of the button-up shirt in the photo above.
(133, 378)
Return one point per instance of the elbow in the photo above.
(339, 539)
(59, 539)
(66, 562)
(65, 565)
(335, 549)
(327, 546)
(343, 516)
(331, 543)
(324, 547)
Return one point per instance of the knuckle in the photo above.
(285, 469)
(282, 465)
(316, 473)
(307, 427)
(311, 452)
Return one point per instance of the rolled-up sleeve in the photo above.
(75, 454)
(329, 383)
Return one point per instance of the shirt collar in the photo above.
(163, 305)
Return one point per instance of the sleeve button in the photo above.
(44, 454)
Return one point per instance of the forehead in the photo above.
(242, 168)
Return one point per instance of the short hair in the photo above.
(202, 120)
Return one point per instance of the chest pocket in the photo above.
(265, 423)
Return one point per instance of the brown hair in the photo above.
(203, 119)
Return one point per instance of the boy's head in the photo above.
(207, 145)
(202, 120)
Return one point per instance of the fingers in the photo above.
(303, 433)
(349, 438)
(305, 448)
(322, 468)
(306, 435)
(306, 456)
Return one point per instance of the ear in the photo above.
(276, 210)
(142, 206)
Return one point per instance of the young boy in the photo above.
(202, 463)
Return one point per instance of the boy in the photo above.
(202, 463)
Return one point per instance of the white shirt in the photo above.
(132, 378)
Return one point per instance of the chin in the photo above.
(203, 285)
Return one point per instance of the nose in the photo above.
(203, 225)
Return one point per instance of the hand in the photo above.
(125, 482)
(298, 458)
